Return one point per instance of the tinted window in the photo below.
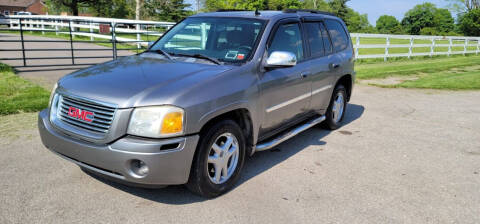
(315, 39)
(326, 40)
(338, 35)
(288, 38)
(226, 39)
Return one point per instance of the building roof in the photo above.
(17, 3)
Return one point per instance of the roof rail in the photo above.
(231, 10)
(308, 10)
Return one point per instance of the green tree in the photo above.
(388, 25)
(428, 15)
(71, 5)
(340, 8)
(284, 4)
(317, 5)
(419, 17)
(443, 21)
(167, 10)
(469, 23)
(358, 23)
(114, 8)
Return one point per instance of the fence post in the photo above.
(43, 26)
(450, 45)
(432, 48)
(410, 49)
(23, 43)
(386, 49)
(71, 41)
(91, 30)
(138, 36)
(478, 46)
(465, 47)
(114, 41)
(56, 27)
(357, 45)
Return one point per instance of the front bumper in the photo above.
(168, 161)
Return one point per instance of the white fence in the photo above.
(91, 26)
(436, 45)
(376, 46)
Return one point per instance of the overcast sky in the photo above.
(376, 8)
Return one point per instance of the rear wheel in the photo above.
(218, 160)
(336, 109)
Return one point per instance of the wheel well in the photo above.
(242, 118)
(346, 81)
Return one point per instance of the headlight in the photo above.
(156, 122)
(52, 94)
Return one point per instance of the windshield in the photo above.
(225, 39)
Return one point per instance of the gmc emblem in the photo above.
(80, 114)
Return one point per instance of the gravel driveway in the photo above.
(405, 156)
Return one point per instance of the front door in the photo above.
(285, 91)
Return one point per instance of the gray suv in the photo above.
(215, 88)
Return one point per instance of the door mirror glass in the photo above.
(278, 59)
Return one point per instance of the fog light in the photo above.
(139, 168)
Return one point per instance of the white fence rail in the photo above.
(376, 46)
(410, 43)
(49, 23)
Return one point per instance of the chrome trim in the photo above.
(321, 89)
(296, 99)
(281, 138)
(286, 103)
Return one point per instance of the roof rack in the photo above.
(231, 10)
(308, 10)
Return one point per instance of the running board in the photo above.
(287, 135)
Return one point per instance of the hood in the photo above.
(126, 81)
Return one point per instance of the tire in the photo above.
(333, 118)
(204, 179)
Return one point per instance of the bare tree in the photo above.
(464, 5)
(137, 9)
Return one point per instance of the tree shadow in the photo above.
(259, 163)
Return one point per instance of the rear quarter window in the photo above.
(338, 35)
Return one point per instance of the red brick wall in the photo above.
(37, 8)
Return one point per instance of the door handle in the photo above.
(334, 66)
(305, 74)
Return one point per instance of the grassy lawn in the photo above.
(19, 95)
(454, 73)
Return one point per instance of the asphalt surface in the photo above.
(403, 156)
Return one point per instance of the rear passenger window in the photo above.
(315, 39)
(326, 40)
(338, 35)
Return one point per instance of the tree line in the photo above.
(423, 19)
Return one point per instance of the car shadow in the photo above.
(259, 163)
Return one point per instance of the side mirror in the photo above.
(150, 43)
(280, 59)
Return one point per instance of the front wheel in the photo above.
(336, 109)
(218, 160)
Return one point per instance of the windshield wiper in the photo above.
(200, 56)
(164, 53)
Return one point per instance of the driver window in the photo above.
(288, 38)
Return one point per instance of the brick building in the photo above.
(12, 7)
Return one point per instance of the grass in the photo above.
(18, 95)
(455, 73)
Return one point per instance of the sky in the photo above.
(377, 8)
(397, 8)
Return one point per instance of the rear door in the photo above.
(323, 62)
(285, 92)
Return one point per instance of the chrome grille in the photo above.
(102, 117)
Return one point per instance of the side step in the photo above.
(287, 135)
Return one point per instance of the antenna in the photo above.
(257, 13)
